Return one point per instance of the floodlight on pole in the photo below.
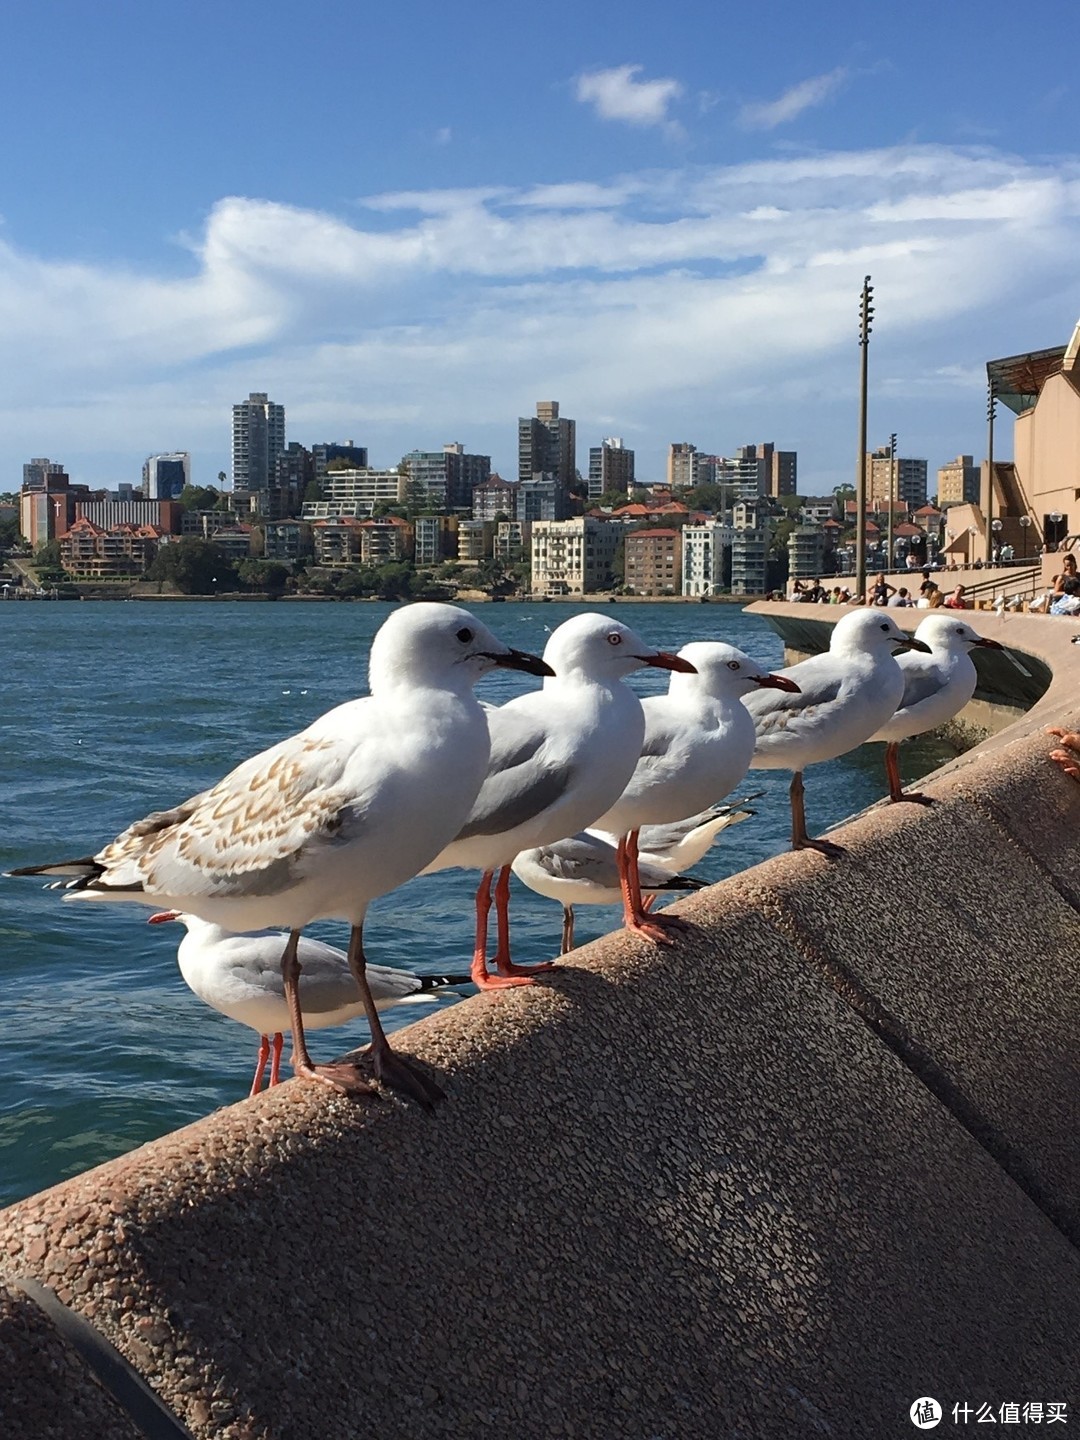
(866, 315)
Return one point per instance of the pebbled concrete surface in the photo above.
(779, 1181)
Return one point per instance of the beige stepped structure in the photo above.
(812, 1163)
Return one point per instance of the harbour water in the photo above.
(113, 709)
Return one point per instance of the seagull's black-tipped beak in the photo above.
(778, 682)
(163, 917)
(522, 660)
(989, 644)
(910, 643)
(665, 660)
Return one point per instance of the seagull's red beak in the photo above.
(163, 916)
(665, 660)
(778, 682)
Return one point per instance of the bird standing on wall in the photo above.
(322, 823)
(240, 977)
(937, 686)
(560, 757)
(844, 697)
(699, 740)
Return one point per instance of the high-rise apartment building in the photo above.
(682, 466)
(611, 468)
(258, 438)
(547, 445)
(444, 479)
(703, 557)
(958, 482)
(653, 562)
(40, 474)
(910, 478)
(164, 476)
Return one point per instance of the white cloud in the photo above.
(712, 303)
(804, 96)
(617, 95)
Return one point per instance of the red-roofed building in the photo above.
(94, 553)
(653, 562)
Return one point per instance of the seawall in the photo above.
(815, 1161)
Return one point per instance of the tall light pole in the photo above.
(1025, 526)
(892, 492)
(866, 314)
(988, 512)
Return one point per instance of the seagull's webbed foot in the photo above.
(405, 1078)
(828, 848)
(913, 797)
(507, 967)
(485, 981)
(649, 927)
(345, 1078)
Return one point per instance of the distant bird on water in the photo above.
(844, 697)
(937, 686)
(322, 823)
(240, 977)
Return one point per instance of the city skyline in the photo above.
(670, 246)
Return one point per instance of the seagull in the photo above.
(845, 695)
(319, 825)
(560, 756)
(584, 870)
(936, 687)
(699, 740)
(679, 846)
(240, 976)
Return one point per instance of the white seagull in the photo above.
(699, 740)
(936, 687)
(240, 977)
(322, 823)
(560, 757)
(584, 870)
(845, 695)
(679, 846)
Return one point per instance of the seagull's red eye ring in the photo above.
(614, 638)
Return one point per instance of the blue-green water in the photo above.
(113, 709)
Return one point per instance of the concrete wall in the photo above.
(815, 1161)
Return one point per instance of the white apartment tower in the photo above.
(258, 438)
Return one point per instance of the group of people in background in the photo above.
(880, 592)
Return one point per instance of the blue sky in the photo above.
(409, 223)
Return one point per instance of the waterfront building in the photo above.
(611, 468)
(511, 541)
(164, 476)
(285, 540)
(653, 562)
(474, 541)
(336, 540)
(92, 552)
(258, 438)
(359, 490)
(703, 557)
(385, 540)
(806, 552)
(547, 446)
(206, 523)
(495, 498)
(749, 549)
(235, 540)
(444, 479)
(573, 557)
(436, 538)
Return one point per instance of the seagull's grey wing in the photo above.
(581, 857)
(920, 684)
(774, 711)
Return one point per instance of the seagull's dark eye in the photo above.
(614, 638)
(465, 635)
(733, 665)
(885, 628)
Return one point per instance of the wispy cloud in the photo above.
(617, 94)
(444, 314)
(767, 115)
